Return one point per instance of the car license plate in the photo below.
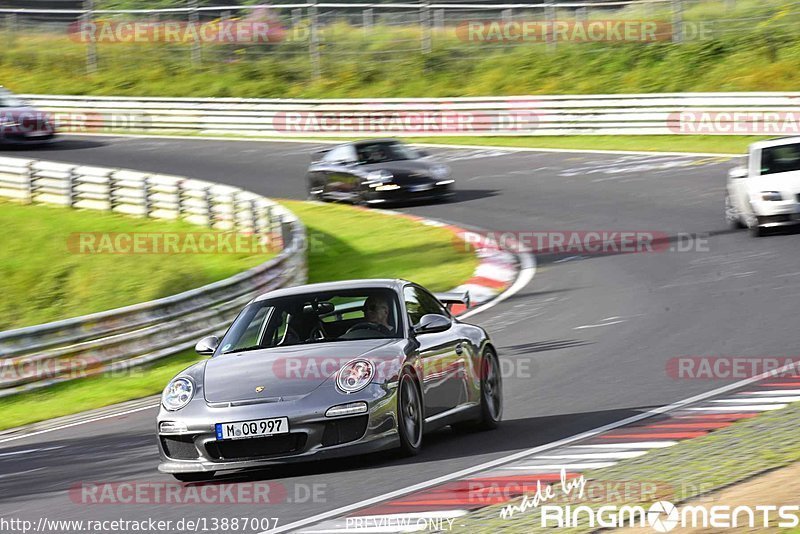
(37, 134)
(252, 429)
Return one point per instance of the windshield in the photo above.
(784, 158)
(383, 152)
(315, 318)
(10, 100)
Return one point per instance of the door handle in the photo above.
(459, 349)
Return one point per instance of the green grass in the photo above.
(42, 280)
(344, 242)
(654, 143)
(760, 51)
(355, 243)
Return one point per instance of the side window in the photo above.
(419, 302)
(340, 154)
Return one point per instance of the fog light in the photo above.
(171, 427)
(347, 409)
(387, 187)
(445, 182)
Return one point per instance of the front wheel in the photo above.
(732, 214)
(410, 417)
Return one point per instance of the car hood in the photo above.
(285, 371)
(784, 181)
(406, 171)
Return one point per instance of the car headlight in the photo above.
(379, 176)
(178, 393)
(771, 195)
(355, 375)
(440, 171)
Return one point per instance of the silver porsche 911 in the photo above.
(326, 370)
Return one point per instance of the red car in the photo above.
(22, 124)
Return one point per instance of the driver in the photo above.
(376, 316)
(376, 311)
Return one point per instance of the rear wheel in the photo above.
(491, 396)
(409, 414)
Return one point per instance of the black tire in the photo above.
(410, 415)
(491, 396)
(731, 215)
(194, 477)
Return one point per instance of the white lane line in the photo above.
(583, 327)
(9, 475)
(592, 456)
(741, 400)
(635, 445)
(431, 145)
(748, 408)
(775, 392)
(541, 448)
(558, 467)
(411, 522)
(29, 451)
(76, 423)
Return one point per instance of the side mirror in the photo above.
(737, 173)
(432, 322)
(207, 345)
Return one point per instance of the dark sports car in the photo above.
(328, 370)
(21, 123)
(381, 171)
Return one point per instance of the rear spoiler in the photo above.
(454, 299)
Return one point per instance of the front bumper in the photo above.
(311, 435)
(22, 139)
(411, 193)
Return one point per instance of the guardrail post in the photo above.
(30, 179)
(194, 19)
(253, 209)
(91, 44)
(72, 177)
(313, 40)
(425, 25)
(297, 18)
(235, 223)
(180, 193)
(147, 205)
(209, 198)
(581, 14)
(677, 21)
(112, 191)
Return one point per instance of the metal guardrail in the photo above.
(38, 356)
(629, 114)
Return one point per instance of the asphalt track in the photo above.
(587, 341)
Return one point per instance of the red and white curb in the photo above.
(497, 269)
(445, 503)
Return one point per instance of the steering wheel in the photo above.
(368, 326)
(317, 334)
